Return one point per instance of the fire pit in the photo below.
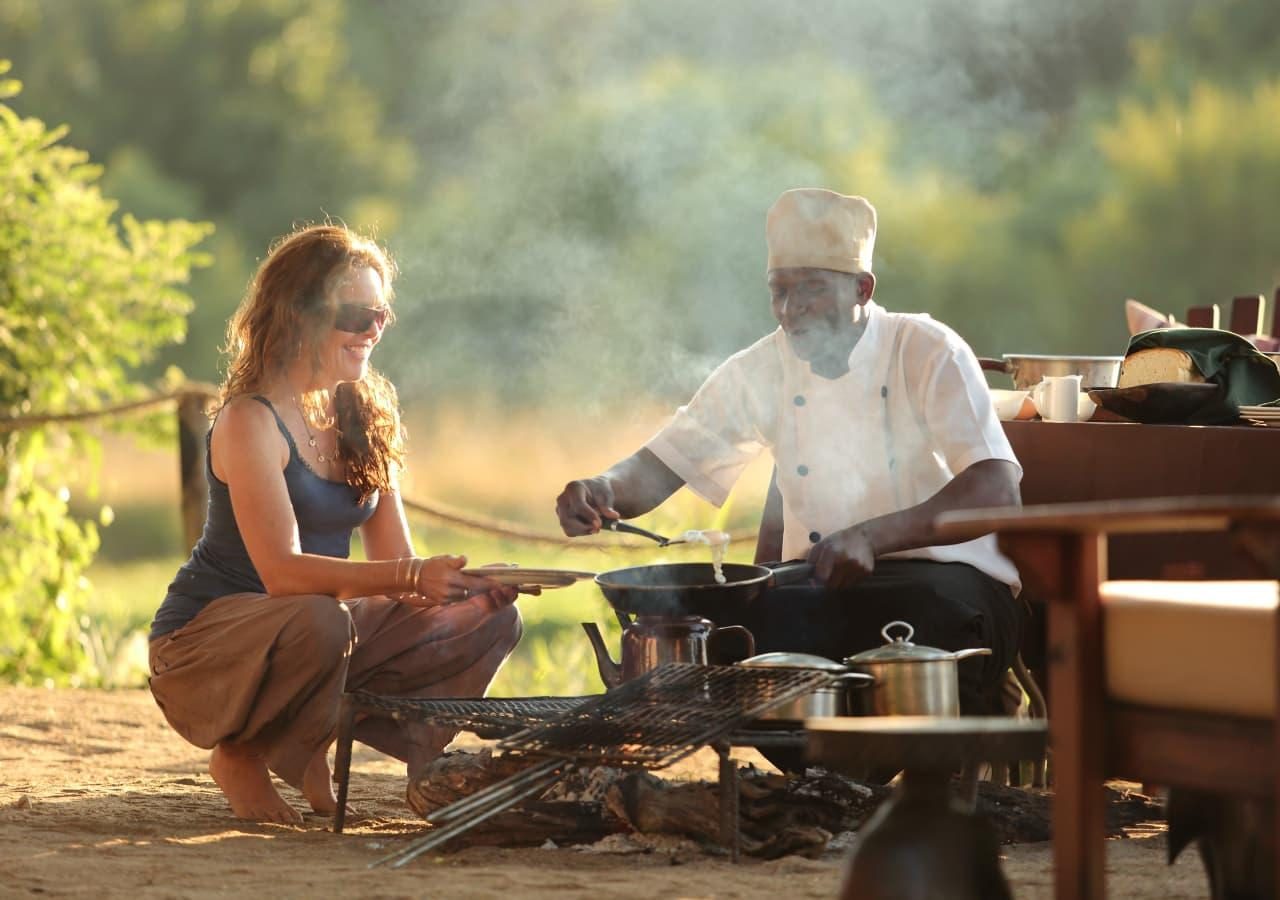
(650, 722)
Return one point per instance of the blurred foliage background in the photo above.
(575, 191)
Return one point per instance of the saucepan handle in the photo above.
(856, 679)
(994, 365)
(971, 651)
(795, 571)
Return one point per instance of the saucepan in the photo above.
(690, 589)
(910, 679)
(1028, 369)
(828, 701)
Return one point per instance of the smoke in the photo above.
(591, 229)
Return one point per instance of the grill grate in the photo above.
(487, 717)
(664, 715)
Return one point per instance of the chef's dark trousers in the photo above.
(951, 606)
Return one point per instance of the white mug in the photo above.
(1057, 398)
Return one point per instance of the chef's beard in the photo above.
(824, 342)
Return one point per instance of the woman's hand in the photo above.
(438, 580)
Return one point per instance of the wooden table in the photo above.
(1066, 462)
(923, 841)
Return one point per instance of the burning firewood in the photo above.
(778, 815)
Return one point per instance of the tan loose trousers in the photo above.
(270, 671)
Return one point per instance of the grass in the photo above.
(515, 477)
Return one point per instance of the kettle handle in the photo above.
(747, 637)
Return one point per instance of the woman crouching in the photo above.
(269, 621)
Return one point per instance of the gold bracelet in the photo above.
(416, 567)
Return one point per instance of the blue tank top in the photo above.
(327, 514)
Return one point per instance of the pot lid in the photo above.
(795, 661)
(899, 649)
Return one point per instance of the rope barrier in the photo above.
(17, 423)
(431, 509)
(514, 531)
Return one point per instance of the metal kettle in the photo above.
(650, 641)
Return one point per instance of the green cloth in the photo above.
(1248, 376)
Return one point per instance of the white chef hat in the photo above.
(817, 228)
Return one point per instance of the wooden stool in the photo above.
(923, 842)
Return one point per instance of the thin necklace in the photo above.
(311, 438)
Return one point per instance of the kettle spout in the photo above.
(610, 671)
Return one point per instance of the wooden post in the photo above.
(192, 427)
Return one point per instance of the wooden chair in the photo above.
(1164, 682)
(1204, 316)
(1248, 314)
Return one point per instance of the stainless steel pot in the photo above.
(1027, 369)
(910, 680)
(828, 701)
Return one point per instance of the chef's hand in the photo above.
(843, 558)
(584, 504)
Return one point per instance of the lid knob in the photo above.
(889, 639)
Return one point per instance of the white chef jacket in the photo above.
(912, 411)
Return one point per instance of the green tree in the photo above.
(243, 112)
(83, 301)
(1187, 216)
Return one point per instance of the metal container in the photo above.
(828, 701)
(650, 641)
(910, 680)
(1027, 369)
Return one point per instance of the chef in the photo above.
(877, 422)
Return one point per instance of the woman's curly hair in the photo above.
(286, 312)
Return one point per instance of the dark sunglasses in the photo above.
(356, 319)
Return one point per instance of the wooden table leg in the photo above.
(1077, 726)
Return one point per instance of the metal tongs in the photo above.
(626, 528)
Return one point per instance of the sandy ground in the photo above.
(98, 798)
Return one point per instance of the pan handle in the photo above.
(794, 571)
(994, 365)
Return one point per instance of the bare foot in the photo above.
(317, 786)
(245, 782)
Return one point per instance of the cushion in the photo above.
(1201, 646)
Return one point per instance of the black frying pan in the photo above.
(690, 589)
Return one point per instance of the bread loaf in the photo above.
(1158, 364)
